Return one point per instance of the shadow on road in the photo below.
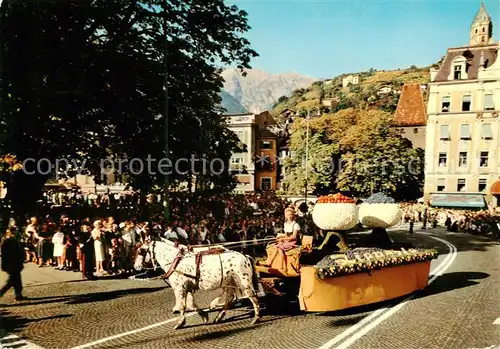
(452, 282)
(85, 298)
(14, 323)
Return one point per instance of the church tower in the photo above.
(481, 31)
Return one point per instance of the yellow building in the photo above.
(463, 131)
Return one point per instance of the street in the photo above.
(457, 310)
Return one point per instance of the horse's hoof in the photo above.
(204, 317)
(256, 320)
(180, 324)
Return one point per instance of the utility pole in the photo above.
(307, 157)
(166, 201)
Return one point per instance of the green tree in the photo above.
(83, 81)
(376, 158)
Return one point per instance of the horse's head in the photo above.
(144, 255)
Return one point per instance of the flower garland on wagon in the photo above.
(360, 260)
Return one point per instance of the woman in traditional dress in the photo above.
(288, 239)
(58, 252)
(97, 235)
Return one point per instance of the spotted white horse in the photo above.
(216, 302)
(229, 270)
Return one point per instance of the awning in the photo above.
(495, 188)
(458, 200)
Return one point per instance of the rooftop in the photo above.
(473, 56)
(411, 107)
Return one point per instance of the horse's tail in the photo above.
(255, 277)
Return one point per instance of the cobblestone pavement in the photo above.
(456, 311)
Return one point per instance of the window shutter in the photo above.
(488, 102)
(465, 131)
(445, 132)
(486, 130)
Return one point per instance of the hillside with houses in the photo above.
(369, 90)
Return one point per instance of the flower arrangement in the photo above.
(379, 211)
(335, 212)
(361, 260)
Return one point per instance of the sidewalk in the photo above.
(32, 275)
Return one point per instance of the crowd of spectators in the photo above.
(98, 245)
(484, 222)
(102, 239)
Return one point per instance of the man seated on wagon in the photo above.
(285, 241)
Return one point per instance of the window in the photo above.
(266, 145)
(415, 130)
(462, 159)
(266, 183)
(445, 104)
(483, 182)
(442, 159)
(483, 160)
(486, 131)
(466, 103)
(457, 75)
(445, 132)
(488, 102)
(465, 131)
(461, 185)
(441, 184)
(237, 163)
(484, 30)
(483, 38)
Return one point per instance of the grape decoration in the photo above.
(380, 198)
(362, 259)
(336, 199)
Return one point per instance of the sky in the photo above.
(325, 38)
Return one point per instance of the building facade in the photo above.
(463, 130)
(255, 165)
(350, 80)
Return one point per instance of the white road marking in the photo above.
(384, 313)
(497, 321)
(119, 335)
(13, 341)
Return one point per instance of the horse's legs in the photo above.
(182, 305)
(255, 302)
(200, 312)
(229, 300)
(189, 303)
(190, 306)
(176, 309)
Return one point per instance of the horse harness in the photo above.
(198, 260)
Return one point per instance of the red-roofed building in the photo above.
(411, 115)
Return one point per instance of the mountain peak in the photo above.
(259, 90)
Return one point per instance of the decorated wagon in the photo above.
(335, 276)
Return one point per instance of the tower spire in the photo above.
(481, 31)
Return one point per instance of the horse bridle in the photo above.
(151, 252)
